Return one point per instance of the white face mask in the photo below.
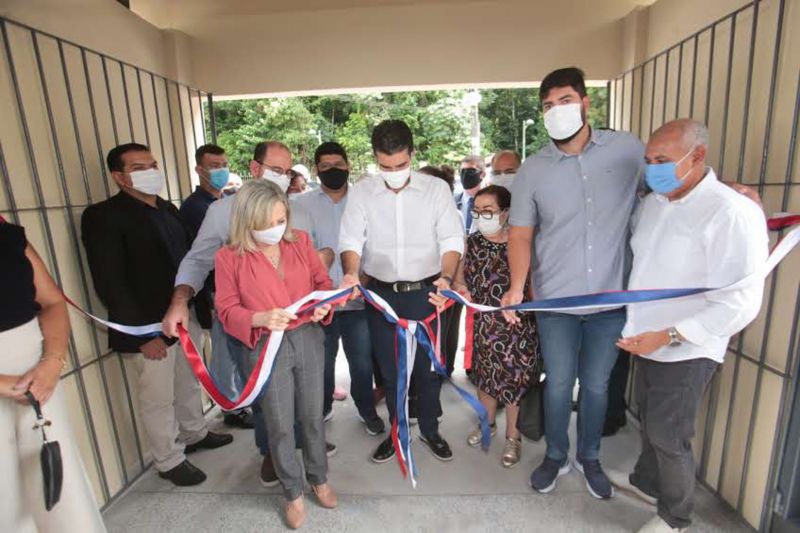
(563, 121)
(270, 236)
(489, 226)
(395, 179)
(150, 181)
(504, 180)
(281, 180)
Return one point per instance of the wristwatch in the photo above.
(675, 338)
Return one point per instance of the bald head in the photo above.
(505, 162)
(271, 154)
(684, 133)
(685, 143)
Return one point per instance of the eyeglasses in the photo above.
(484, 214)
(277, 170)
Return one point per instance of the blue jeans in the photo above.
(583, 347)
(223, 367)
(352, 328)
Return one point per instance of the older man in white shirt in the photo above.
(692, 232)
(411, 236)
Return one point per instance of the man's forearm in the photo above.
(351, 263)
(450, 264)
(519, 258)
(182, 293)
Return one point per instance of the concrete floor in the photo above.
(471, 493)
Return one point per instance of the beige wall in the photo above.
(103, 25)
(733, 402)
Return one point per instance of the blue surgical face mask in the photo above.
(219, 177)
(663, 178)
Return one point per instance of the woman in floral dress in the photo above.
(506, 358)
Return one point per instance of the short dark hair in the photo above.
(114, 157)
(500, 194)
(563, 77)
(260, 151)
(392, 136)
(329, 148)
(212, 149)
(439, 172)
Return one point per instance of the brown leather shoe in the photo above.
(325, 495)
(295, 513)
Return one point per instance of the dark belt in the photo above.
(405, 286)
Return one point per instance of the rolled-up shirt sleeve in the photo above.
(449, 225)
(738, 247)
(237, 320)
(353, 231)
(198, 263)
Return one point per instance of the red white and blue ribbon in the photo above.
(411, 334)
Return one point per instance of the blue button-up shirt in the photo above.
(326, 219)
(580, 208)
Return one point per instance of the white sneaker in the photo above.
(621, 481)
(657, 525)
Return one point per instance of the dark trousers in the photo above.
(669, 396)
(414, 306)
(351, 327)
(617, 384)
(451, 319)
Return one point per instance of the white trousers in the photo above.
(170, 406)
(22, 494)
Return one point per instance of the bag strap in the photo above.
(41, 421)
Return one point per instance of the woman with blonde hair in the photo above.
(266, 266)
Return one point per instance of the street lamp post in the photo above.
(525, 124)
(472, 99)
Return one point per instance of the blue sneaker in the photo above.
(544, 478)
(596, 480)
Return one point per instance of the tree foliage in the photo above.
(440, 120)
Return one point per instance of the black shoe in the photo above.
(184, 475)
(330, 449)
(373, 424)
(211, 441)
(239, 419)
(441, 450)
(385, 451)
(268, 476)
(613, 424)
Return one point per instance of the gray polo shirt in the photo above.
(580, 207)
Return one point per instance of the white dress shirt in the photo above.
(711, 237)
(214, 233)
(401, 236)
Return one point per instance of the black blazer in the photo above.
(131, 263)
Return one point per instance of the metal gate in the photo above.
(63, 107)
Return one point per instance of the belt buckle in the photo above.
(405, 286)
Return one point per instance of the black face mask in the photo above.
(334, 178)
(470, 177)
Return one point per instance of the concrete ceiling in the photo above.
(182, 14)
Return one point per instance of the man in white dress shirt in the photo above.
(693, 231)
(406, 227)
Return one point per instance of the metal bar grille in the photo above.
(726, 446)
(64, 111)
